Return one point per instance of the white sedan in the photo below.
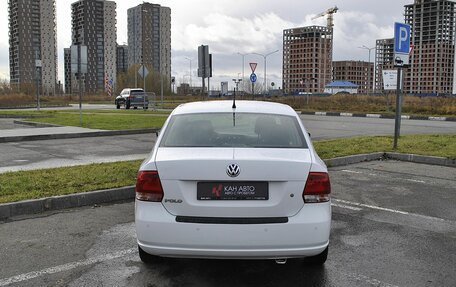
(234, 181)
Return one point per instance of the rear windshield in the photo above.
(137, 92)
(233, 130)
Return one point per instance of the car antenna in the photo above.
(234, 108)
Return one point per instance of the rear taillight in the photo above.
(317, 188)
(148, 186)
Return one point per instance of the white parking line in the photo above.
(415, 180)
(65, 267)
(351, 171)
(369, 280)
(346, 207)
(387, 209)
(376, 174)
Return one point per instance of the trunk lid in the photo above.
(284, 170)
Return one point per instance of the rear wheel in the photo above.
(148, 258)
(317, 260)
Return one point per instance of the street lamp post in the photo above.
(236, 81)
(243, 64)
(190, 60)
(161, 82)
(364, 47)
(265, 57)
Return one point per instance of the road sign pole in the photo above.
(202, 91)
(144, 85)
(401, 60)
(37, 74)
(253, 90)
(80, 84)
(397, 122)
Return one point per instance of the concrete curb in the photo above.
(346, 160)
(379, 116)
(75, 135)
(34, 124)
(34, 107)
(35, 206)
(433, 160)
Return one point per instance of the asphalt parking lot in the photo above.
(394, 224)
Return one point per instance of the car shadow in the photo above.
(199, 272)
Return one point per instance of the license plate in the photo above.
(229, 190)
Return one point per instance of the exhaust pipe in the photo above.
(281, 261)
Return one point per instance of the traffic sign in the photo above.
(389, 79)
(253, 66)
(401, 44)
(140, 71)
(253, 78)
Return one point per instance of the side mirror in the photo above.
(309, 135)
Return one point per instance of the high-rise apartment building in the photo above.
(307, 59)
(67, 68)
(433, 37)
(384, 59)
(358, 72)
(149, 37)
(94, 25)
(32, 37)
(122, 59)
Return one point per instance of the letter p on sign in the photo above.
(401, 38)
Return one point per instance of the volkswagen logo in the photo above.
(233, 170)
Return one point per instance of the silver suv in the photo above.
(132, 98)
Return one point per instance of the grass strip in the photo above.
(22, 185)
(430, 145)
(105, 121)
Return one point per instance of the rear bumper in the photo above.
(139, 104)
(305, 234)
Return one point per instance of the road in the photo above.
(68, 152)
(326, 127)
(394, 224)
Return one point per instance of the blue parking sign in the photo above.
(401, 38)
(401, 45)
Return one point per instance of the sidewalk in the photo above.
(26, 132)
(46, 133)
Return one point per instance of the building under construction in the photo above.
(384, 59)
(307, 59)
(358, 72)
(432, 58)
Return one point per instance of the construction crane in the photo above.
(330, 24)
(330, 12)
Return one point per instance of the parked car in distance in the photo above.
(233, 182)
(132, 98)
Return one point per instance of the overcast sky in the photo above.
(232, 26)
